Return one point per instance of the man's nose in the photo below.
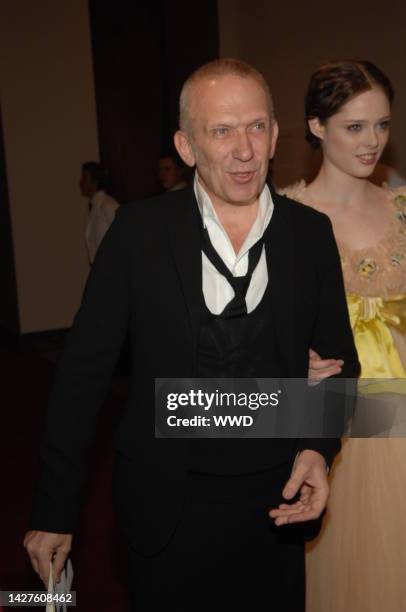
(243, 149)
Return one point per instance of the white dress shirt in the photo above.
(217, 290)
(101, 216)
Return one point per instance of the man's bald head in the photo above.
(214, 70)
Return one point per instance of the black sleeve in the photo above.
(332, 338)
(81, 384)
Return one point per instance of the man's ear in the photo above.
(316, 128)
(274, 138)
(184, 148)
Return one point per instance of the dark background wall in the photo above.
(142, 53)
(9, 319)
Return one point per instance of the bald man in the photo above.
(237, 282)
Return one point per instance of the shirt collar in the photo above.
(97, 197)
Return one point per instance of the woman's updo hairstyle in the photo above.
(335, 83)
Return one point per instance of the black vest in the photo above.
(237, 345)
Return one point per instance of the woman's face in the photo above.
(353, 139)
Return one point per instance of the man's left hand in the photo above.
(309, 477)
(320, 369)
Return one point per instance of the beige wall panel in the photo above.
(50, 127)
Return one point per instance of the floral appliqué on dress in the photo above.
(367, 267)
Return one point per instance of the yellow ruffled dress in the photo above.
(358, 562)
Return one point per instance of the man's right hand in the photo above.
(44, 547)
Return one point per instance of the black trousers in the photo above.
(226, 554)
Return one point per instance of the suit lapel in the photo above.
(280, 259)
(185, 245)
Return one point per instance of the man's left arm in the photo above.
(332, 337)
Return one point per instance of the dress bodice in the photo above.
(379, 270)
(375, 284)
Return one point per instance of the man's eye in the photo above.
(220, 132)
(259, 126)
(354, 127)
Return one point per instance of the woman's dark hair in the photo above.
(335, 83)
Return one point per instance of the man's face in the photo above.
(232, 138)
(87, 186)
(169, 173)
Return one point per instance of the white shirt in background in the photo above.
(101, 216)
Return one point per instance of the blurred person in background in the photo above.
(102, 207)
(387, 176)
(171, 171)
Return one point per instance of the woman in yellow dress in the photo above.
(357, 564)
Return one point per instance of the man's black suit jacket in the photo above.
(147, 280)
